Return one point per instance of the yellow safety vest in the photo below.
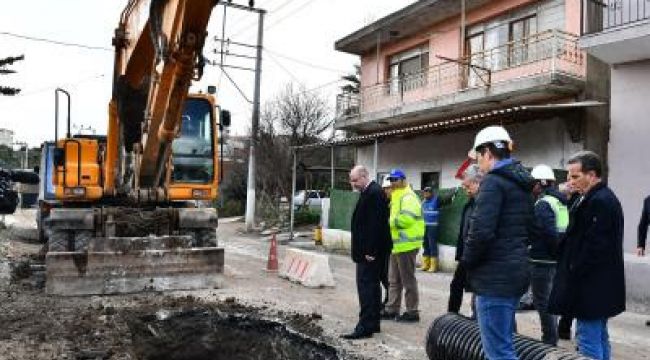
(406, 221)
(561, 212)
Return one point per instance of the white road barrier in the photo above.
(307, 268)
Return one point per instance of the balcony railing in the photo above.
(599, 15)
(548, 52)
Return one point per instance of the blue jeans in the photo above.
(429, 244)
(592, 338)
(541, 279)
(496, 322)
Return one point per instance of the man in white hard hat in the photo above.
(551, 221)
(495, 254)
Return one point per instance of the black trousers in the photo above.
(456, 289)
(368, 274)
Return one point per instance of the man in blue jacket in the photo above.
(429, 245)
(495, 254)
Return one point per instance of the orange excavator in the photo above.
(125, 217)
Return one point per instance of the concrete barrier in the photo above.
(447, 258)
(307, 268)
(637, 285)
(337, 240)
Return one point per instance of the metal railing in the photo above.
(551, 51)
(599, 15)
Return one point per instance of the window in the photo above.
(430, 179)
(192, 151)
(408, 69)
(474, 45)
(520, 32)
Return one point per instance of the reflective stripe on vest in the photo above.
(560, 210)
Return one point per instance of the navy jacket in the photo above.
(590, 278)
(496, 254)
(464, 227)
(545, 240)
(370, 229)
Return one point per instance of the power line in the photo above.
(55, 42)
(52, 87)
(270, 12)
(295, 78)
(296, 10)
(303, 62)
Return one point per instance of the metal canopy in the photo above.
(462, 121)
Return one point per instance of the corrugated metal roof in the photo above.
(478, 118)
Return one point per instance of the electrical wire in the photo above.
(55, 42)
(52, 87)
(303, 62)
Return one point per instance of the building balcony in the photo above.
(543, 66)
(616, 31)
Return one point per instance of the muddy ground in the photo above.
(142, 326)
(187, 324)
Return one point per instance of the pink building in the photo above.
(433, 73)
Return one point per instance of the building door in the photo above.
(431, 179)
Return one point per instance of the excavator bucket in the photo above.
(118, 264)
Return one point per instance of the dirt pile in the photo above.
(141, 326)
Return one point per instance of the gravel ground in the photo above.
(37, 326)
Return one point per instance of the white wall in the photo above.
(629, 148)
(536, 142)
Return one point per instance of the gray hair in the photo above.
(473, 173)
(360, 170)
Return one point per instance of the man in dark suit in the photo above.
(371, 244)
(590, 280)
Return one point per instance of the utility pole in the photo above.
(250, 193)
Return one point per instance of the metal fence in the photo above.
(599, 15)
(552, 51)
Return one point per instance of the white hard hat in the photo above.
(490, 134)
(543, 172)
(385, 183)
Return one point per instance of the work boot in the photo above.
(426, 263)
(388, 315)
(433, 264)
(409, 316)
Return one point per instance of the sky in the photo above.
(299, 38)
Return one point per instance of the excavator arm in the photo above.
(158, 46)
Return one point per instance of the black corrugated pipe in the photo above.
(455, 337)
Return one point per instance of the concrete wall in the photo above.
(629, 160)
(543, 141)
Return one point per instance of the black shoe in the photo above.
(357, 334)
(387, 315)
(647, 323)
(409, 316)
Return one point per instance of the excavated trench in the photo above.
(205, 334)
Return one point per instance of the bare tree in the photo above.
(294, 117)
(301, 114)
(7, 90)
